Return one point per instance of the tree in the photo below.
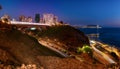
(37, 18)
(61, 22)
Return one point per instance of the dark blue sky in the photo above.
(76, 12)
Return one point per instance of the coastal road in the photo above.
(53, 47)
(100, 53)
(50, 46)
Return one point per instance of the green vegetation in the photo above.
(84, 49)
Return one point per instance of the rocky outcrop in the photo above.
(19, 48)
(64, 36)
(67, 63)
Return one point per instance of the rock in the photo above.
(20, 48)
(66, 63)
(64, 36)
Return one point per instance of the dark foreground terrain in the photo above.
(20, 51)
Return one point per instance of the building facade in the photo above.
(50, 19)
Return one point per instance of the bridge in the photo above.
(30, 24)
(26, 25)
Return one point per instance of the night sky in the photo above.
(76, 12)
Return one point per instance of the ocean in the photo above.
(109, 36)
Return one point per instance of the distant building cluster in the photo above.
(50, 19)
(5, 18)
(46, 19)
(22, 18)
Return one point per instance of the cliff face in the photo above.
(64, 36)
(19, 48)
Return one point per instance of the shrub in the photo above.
(87, 49)
(84, 49)
(79, 50)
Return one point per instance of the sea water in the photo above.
(107, 35)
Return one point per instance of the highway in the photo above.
(102, 54)
(52, 47)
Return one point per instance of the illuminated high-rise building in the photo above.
(37, 18)
(50, 19)
(22, 18)
(29, 19)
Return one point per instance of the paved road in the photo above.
(101, 54)
(49, 45)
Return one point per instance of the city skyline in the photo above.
(76, 12)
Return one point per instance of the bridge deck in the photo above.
(28, 23)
